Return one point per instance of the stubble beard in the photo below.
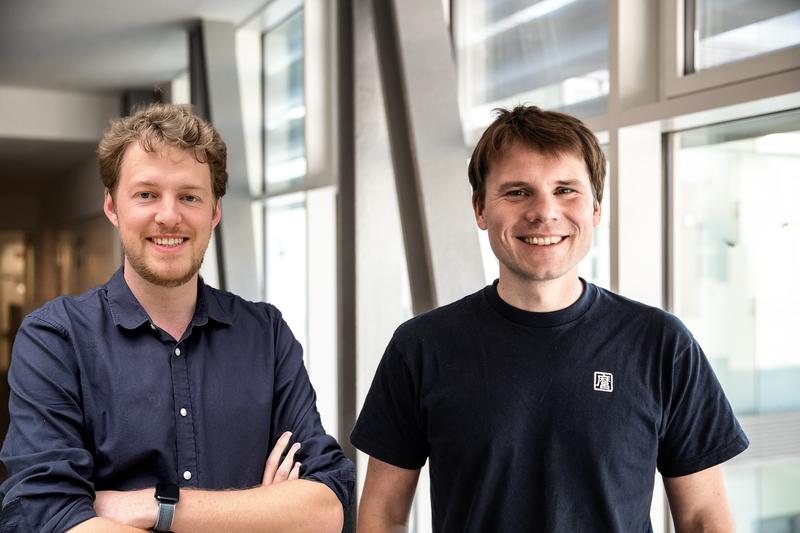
(139, 266)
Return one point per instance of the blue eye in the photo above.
(144, 195)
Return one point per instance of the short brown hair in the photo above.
(158, 125)
(548, 132)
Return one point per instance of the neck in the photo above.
(170, 308)
(539, 296)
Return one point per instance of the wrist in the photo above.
(166, 498)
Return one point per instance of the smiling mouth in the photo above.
(542, 241)
(170, 242)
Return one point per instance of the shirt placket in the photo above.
(186, 445)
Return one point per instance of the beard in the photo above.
(140, 266)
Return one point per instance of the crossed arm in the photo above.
(281, 503)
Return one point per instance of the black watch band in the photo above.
(167, 496)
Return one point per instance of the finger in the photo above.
(274, 459)
(295, 473)
(286, 466)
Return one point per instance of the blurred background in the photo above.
(349, 125)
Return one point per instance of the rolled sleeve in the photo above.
(49, 468)
(295, 410)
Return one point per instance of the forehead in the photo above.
(521, 162)
(164, 164)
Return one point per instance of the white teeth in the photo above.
(543, 241)
(167, 242)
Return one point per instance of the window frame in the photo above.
(676, 82)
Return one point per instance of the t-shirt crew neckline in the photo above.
(541, 320)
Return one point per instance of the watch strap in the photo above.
(166, 513)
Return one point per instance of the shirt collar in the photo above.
(127, 312)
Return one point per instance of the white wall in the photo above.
(28, 113)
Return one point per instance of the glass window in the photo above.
(736, 253)
(735, 256)
(284, 105)
(725, 31)
(764, 497)
(550, 53)
(286, 259)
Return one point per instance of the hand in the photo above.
(276, 471)
(137, 508)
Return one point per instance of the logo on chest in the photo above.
(604, 381)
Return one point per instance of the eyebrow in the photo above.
(569, 183)
(145, 182)
(524, 184)
(513, 185)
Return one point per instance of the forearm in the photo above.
(713, 522)
(103, 525)
(376, 522)
(292, 506)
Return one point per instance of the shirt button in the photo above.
(184, 412)
(152, 326)
(187, 475)
(177, 352)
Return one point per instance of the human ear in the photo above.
(217, 215)
(596, 214)
(110, 209)
(478, 209)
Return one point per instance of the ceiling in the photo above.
(91, 46)
(103, 45)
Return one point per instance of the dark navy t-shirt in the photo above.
(546, 421)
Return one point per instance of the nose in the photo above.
(541, 208)
(168, 213)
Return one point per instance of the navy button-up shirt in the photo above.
(101, 398)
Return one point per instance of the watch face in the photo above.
(167, 492)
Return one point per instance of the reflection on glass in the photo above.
(764, 497)
(287, 260)
(736, 247)
(284, 104)
(549, 53)
(731, 30)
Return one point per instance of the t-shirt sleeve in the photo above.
(699, 427)
(391, 426)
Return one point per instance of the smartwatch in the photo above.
(167, 496)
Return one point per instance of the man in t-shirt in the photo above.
(143, 403)
(543, 402)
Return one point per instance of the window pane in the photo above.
(287, 260)
(284, 105)
(731, 30)
(764, 497)
(736, 253)
(550, 53)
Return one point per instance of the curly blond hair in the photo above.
(158, 125)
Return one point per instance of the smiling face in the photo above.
(539, 211)
(165, 211)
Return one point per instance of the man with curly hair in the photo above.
(153, 401)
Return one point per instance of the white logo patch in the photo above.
(604, 381)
